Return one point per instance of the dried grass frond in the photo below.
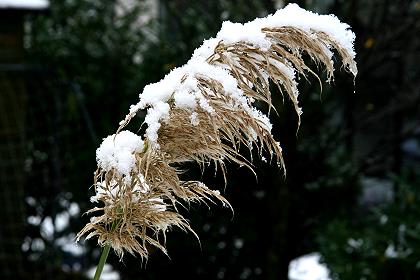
(138, 209)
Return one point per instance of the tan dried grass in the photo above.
(132, 225)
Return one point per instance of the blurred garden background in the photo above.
(69, 69)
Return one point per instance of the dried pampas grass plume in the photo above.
(203, 112)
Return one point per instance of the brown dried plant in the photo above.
(137, 210)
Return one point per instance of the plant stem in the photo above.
(102, 261)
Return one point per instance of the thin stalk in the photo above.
(105, 253)
(102, 261)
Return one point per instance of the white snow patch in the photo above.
(38, 245)
(162, 90)
(158, 204)
(30, 200)
(47, 228)
(293, 15)
(262, 118)
(238, 243)
(355, 243)
(206, 49)
(111, 190)
(107, 274)
(62, 220)
(155, 114)
(398, 252)
(249, 32)
(390, 252)
(194, 119)
(185, 99)
(74, 209)
(25, 4)
(67, 244)
(34, 220)
(117, 151)
(308, 267)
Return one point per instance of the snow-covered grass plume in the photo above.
(204, 111)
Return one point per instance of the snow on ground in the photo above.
(49, 226)
(107, 274)
(308, 267)
(25, 4)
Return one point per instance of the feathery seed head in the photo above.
(204, 112)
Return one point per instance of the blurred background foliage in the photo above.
(352, 186)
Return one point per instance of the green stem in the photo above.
(102, 261)
(105, 252)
